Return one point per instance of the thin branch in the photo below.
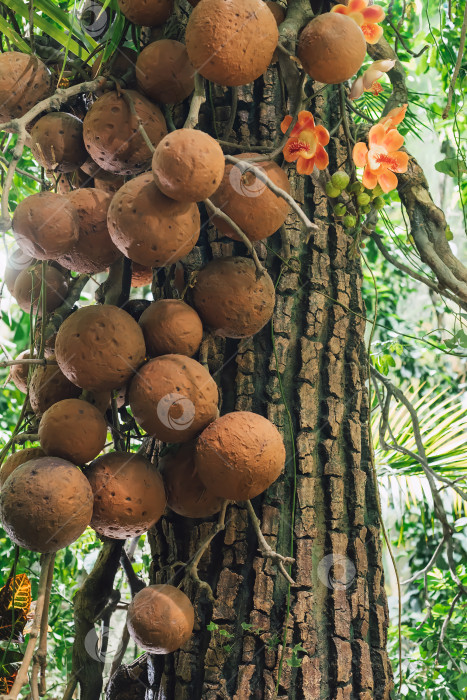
(32, 361)
(198, 99)
(267, 551)
(457, 67)
(428, 567)
(233, 112)
(130, 102)
(40, 657)
(446, 622)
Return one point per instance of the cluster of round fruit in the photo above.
(362, 199)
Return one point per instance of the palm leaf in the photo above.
(14, 37)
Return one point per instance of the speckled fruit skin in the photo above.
(239, 455)
(188, 165)
(24, 81)
(171, 326)
(140, 275)
(94, 250)
(17, 261)
(173, 398)
(186, 493)
(73, 429)
(331, 48)
(129, 495)
(99, 347)
(231, 42)
(45, 225)
(47, 386)
(108, 182)
(160, 619)
(249, 202)
(57, 142)
(231, 300)
(150, 13)
(111, 133)
(164, 72)
(46, 504)
(19, 373)
(18, 458)
(148, 227)
(28, 286)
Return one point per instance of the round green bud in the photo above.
(349, 221)
(363, 199)
(332, 191)
(366, 209)
(340, 210)
(356, 187)
(340, 180)
(378, 203)
(376, 192)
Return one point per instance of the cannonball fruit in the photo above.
(57, 142)
(239, 455)
(278, 12)
(186, 493)
(17, 261)
(73, 429)
(249, 202)
(135, 307)
(148, 227)
(331, 48)
(24, 81)
(188, 165)
(140, 275)
(231, 42)
(18, 458)
(148, 14)
(171, 326)
(164, 73)
(118, 65)
(99, 347)
(19, 373)
(111, 134)
(46, 504)
(45, 225)
(28, 288)
(173, 398)
(108, 182)
(48, 385)
(160, 619)
(129, 495)
(231, 299)
(94, 250)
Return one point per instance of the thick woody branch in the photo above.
(267, 551)
(457, 67)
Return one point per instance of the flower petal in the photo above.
(376, 135)
(359, 154)
(305, 166)
(340, 9)
(369, 179)
(373, 14)
(387, 180)
(373, 153)
(321, 158)
(322, 134)
(357, 17)
(370, 76)
(392, 140)
(305, 120)
(286, 122)
(395, 116)
(385, 65)
(372, 33)
(402, 160)
(290, 151)
(357, 89)
(357, 5)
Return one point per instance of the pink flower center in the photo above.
(386, 159)
(376, 88)
(299, 147)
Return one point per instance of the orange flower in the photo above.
(305, 143)
(366, 17)
(382, 159)
(394, 117)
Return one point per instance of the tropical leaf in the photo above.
(8, 31)
(15, 601)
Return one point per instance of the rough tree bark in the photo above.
(338, 608)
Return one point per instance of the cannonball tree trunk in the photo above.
(306, 371)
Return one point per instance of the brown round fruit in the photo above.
(108, 182)
(140, 275)
(164, 73)
(129, 495)
(231, 299)
(19, 373)
(171, 326)
(147, 14)
(186, 493)
(24, 81)
(239, 455)
(331, 48)
(249, 202)
(278, 12)
(49, 343)
(57, 142)
(28, 288)
(118, 65)
(160, 619)
(17, 261)
(94, 250)
(67, 182)
(99, 347)
(47, 386)
(135, 307)
(173, 398)
(46, 504)
(148, 227)
(188, 165)
(74, 430)
(18, 458)
(45, 225)
(231, 43)
(112, 136)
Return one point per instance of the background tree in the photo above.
(318, 628)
